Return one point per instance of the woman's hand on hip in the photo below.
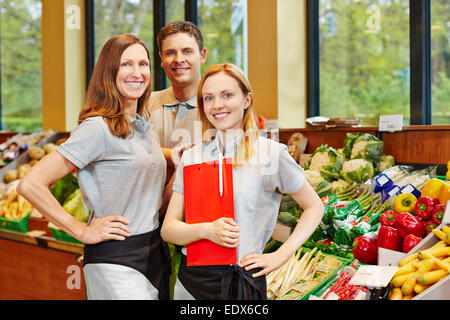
(106, 228)
(266, 261)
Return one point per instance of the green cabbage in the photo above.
(358, 170)
(363, 146)
(76, 206)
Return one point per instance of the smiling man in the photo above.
(174, 110)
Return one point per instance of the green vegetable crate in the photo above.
(61, 235)
(344, 262)
(15, 225)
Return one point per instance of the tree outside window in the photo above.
(20, 58)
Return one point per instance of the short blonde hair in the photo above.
(249, 126)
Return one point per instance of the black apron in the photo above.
(146, 253)
(222, 282)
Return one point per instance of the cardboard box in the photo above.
(388, 257)
(441, 289)
(438, 291)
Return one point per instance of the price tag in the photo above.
(373, 276)
(391, 122)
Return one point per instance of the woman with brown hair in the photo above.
(262, 171)
(121, 172)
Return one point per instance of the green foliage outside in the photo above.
(364, 71)
(365, 59)
(21, 65)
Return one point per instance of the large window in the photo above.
(223, 25)
(373, 57)
(440, 61)
(20, 65)
(364, 59)
(114, 17)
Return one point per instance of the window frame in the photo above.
(420, 60)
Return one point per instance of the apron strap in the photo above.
(249, 288)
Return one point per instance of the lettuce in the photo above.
(75, 205)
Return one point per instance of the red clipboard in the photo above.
(203, 203)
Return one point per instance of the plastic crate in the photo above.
(61, 235)
(15, 225)
(320, 285)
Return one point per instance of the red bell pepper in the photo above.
(365, 250)
(435, 202)
(438, 213)
(389, 238)
(407, 223)
(424, 207)
(429, 225)
(389, 218)
(410, 242)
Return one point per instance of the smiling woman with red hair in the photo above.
(262, 171)
(121, 173)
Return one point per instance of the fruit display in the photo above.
(422, 269)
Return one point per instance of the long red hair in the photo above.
(103, 97)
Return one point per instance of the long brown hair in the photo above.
(249, 127)
(103, 97)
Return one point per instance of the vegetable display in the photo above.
(419, 271)
(300, 274)
(341, 289)
(389, 238)
(405, 202)
(365, 250)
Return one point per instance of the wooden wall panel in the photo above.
(415, 144)
(34, 273)
(418, 146)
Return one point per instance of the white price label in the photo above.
(391, 122)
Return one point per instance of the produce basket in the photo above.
(15, 225)
(61, 235)
(345, 262)
(304, 288)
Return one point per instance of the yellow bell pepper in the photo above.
(444, 194)
(433, 188)
(405, 202)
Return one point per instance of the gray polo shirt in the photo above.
(258, 186)
(173, 121)
(119, 176)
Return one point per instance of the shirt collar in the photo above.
(230, 147)
(139, 121)
(171, 101)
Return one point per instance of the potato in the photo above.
(11, 175)
(49, 147)
(23, 170)
(36, 153)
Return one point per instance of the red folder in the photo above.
(203, 203)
